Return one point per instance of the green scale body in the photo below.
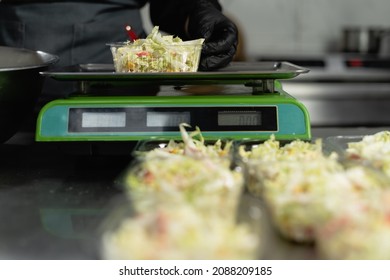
(134, 118)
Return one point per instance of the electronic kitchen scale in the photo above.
(246, 101)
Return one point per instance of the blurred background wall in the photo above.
(304, 27)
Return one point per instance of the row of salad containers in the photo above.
(194, 199)
(333, 193)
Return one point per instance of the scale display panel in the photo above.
(157, 119)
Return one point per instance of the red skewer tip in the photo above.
(131, 33)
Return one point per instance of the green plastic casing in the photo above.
(292, 116)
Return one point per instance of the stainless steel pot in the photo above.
(384, 50)
(20, 86)
(364, 40)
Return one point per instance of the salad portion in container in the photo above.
(304, 185)
(289, 178)
(359, 230)
(157, 53)
(360, 226)
(178, 231)
(192, 144)
(187, 201)
(371, 149)
(261, 160)
(191, 170)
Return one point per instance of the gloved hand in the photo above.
(221, 35)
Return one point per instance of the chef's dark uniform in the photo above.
(76, 31)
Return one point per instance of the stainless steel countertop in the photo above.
(53, 199)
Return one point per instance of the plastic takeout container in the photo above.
(175, 57)
(370, 150)
(258, 169)
(167, 228)
(211, 148)
(365, 219)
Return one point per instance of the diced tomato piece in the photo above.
(148, 177)
(143, 53)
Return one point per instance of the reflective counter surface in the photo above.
(53, 198)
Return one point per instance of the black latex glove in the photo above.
(220, 33)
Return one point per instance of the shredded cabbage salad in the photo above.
(179, 231)
(193, 145)
(186, 198)
(312, 196)
(157, 53)
(304, 187)
(373, 148)
(360, 230)
(197, 172)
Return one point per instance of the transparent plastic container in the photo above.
(372, 149)
(302, 184)
(203, 183)
(312, 199)
(166, 228)
(262, 165)
(358, 230)
(255, 170)
(179, 57)
(220, 150)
